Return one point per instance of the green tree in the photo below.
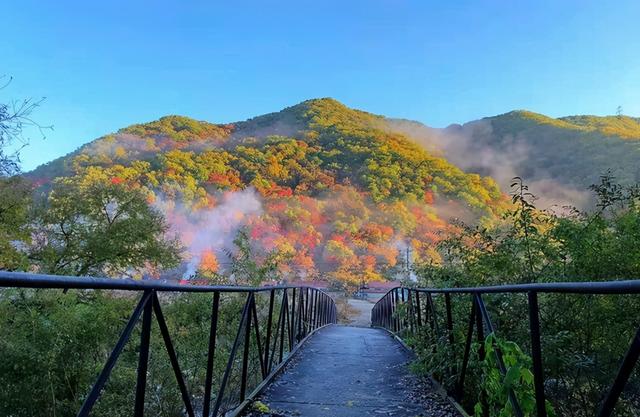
(15, 199)
(250, 268)
(15, 192)
(14, 118)
(91, 224)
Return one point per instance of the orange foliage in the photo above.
(429, 197)
(209, 262)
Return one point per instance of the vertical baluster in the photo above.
(143, 359)
(536, 353)
(268, 336)
(481, 355)
(314, 308)
(396, 299)
(245, 352)
(390, 322)
(285, 314)
(467, 350)
(411, 312)
(256, 327)
(213, 331)
(293, 324)
(300, 311)
(418, 308)
(447, 302)
(307, 312)
(403, 320)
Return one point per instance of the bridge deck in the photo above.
(350, 371)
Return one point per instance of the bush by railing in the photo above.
(508, 381)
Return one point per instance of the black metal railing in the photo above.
(293, 313)
(403, 310)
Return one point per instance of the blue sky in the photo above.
(105, 66)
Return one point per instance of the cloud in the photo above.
(213, 229)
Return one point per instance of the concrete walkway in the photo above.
(345, 372)
(361, 312)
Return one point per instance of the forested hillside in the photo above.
(317, 187)
(322, 191)
(322, 188)
(572, 150)
(559, 158)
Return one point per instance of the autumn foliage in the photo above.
(338, 191)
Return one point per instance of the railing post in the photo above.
(284, 313)
(293, 324)
(143, 358)
(327, 308)
(447, 302)
(536, 353)
(310, 297)
(245, 352)
(427, 312)
(392, 307)
(392, 311)
(256, 327)
(300, 309)
(419, 309)
(398, 323)
(373, 314)
(309, 311)
(403, 320)
(213, 331)
(467, 350)
(323, 304)
(268, 336)
(434, 317)
(315, 310)
(481, 352)
(411, 311)
(389, 312)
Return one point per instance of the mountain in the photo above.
(573, 151)
(336, 190)
(558, 157)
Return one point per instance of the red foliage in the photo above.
(369, 262)
(278, 191)
(429, 198)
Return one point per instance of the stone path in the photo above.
(347, 371)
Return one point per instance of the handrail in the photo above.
(29, 280)
(384, 314)
(631, 286)
(296, 312)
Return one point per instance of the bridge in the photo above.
(283, 353)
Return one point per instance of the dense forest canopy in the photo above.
(337, 192)
(558, 157)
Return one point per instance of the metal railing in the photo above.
(418, 310)
(302, 311)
